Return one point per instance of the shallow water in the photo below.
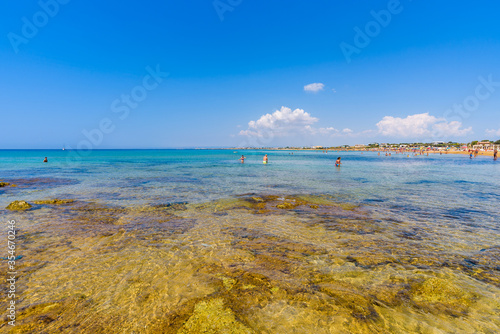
(166, 241)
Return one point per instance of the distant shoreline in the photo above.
(395, 150)
(485, 153)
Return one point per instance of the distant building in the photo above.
(483, 145)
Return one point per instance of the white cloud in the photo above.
(420, 125)
(314, 87)
(285, 122)
(326, 131)
(280, 123)
(493, 132)
(347, 131)
(321, 131)
(335, 132)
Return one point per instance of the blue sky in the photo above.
(237, 72)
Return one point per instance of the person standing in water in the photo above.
(242, 159)
(495, 153)
(45, 160)
(337, 162)
(266, 159)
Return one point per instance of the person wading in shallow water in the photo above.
(45, 160)
(337, 162)
(495, 153)
(266, 159)
(242, 159)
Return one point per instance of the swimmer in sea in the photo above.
(45, 160)
(242, 159)
(337, 162)
(266, 159)
(495, 153)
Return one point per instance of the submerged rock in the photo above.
(352, 299)
(179, 206)
(438, 295)
(4, 184)
(212, 317)
(95, 213)
(54, 201)
(286, 205)
(41, 183)
(228, 282)
(19, 205)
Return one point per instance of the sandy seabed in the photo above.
(249, 264)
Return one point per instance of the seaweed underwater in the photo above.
(253, 263)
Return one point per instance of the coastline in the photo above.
(483, 153)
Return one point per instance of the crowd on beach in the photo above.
(471, 152)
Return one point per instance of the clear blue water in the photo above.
(440, 183)
(418, 253)
(447, 187)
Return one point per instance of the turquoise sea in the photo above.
(441, 188)
(382, 244)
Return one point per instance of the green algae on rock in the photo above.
(212, 317)
(180, 206)
(18, 205)
(95, 213)
(286, 205)
(322, 271)
(228, 282)
(438, 295)
(55, 201)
